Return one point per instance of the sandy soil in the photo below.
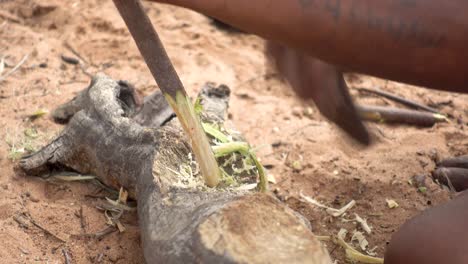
(302, 151)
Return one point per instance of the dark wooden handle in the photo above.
(150, 46)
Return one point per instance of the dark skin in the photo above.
(419, 42)
(437, 236)
(332, 99)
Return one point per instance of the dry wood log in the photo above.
(181, 220)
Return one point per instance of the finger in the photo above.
(340, 109)
(456, 178)
(457, 162)
(438, 235)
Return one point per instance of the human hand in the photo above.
(313, 79)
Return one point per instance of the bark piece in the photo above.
(155, 111)
(127, 97)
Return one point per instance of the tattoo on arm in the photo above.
(332, 7)
(400, 29)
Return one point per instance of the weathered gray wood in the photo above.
(155, 111)
(181, 220)
(127, 98)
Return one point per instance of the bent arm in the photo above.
(422, 42)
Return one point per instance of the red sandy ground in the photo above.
(332, 169)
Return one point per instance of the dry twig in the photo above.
(75, 52)
(21, 220)
(66, 256)
(8, 16)
(82, 220)
(400, 100)
(363, 224)
(99, 258)
(17, 66)
(46, 230)
(98, 235)
(332, 211)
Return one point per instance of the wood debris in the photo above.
(363, 224)
(360, 239)
(392, 204)
(352, 254)
(332, 211)
(17, 66)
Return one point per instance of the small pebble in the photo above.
(419, 180)
(33, 199)
(297, 111)
(276, 144)
(308, 112)
(271, 178)
(70, 60)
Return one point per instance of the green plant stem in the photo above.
(200, 145)
(228, 148)
(214, 132)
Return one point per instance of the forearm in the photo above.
(422, 42)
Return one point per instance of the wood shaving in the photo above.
(392, 204)
(363, 224)
(362, 241)
(332, 211)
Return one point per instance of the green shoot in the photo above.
(38, 113)
(228, 148)
(185, 111)
(211, 130)
(21, 145)
(198, 106)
